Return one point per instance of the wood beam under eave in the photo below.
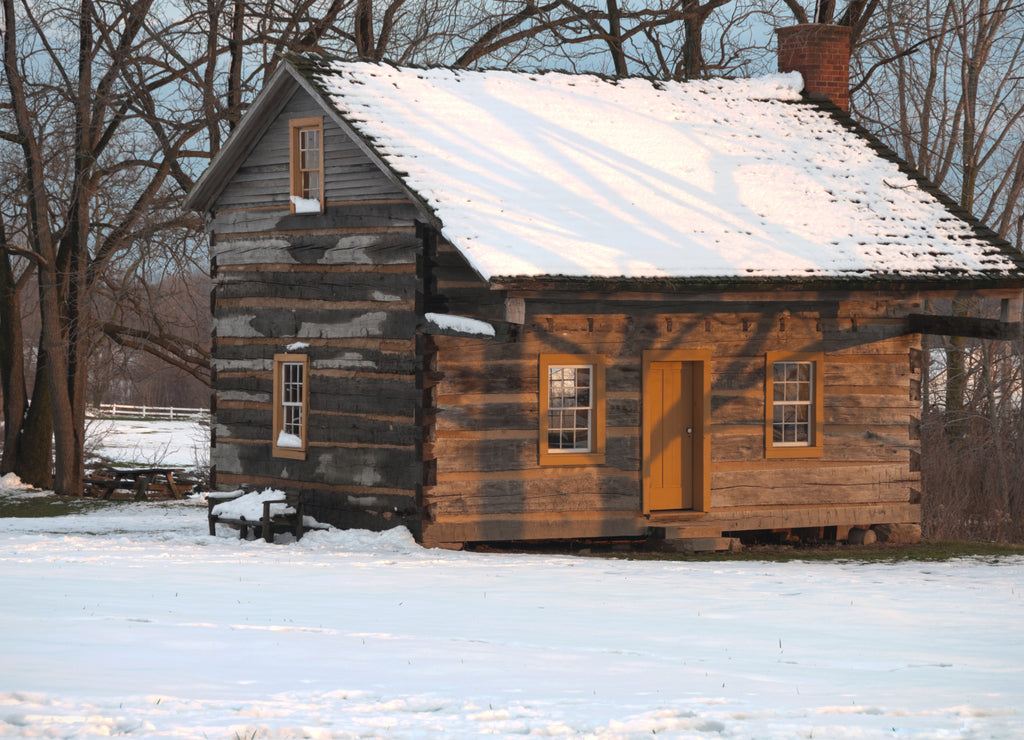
(964, 326)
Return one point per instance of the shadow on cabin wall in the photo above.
(738, 334)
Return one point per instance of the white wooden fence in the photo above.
(122, 411)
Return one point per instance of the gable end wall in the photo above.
(345, 284)
(262, 181)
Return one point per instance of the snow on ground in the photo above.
(174, 443)
(132, 620)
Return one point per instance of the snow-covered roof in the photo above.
(583, 176)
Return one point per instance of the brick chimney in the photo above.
(821, 53)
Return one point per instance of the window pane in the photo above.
(292, 394)
(791, 403)
(582, 420)
(293, 420)
(569, 401)
(311, 185)
(309, 147)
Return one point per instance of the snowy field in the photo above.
(172, 443)
(132, 621)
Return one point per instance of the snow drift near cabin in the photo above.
(578, 175)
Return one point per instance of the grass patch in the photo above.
(23, 506)
(926, 551)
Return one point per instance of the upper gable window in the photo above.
(307, 165)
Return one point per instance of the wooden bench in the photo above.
(274, 519)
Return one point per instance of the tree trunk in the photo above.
(52, 344)
(956, 382)
(364, 29)
(34, 457)
(615, 39)
(235, 59)
(693, 54)
(74, 299)
(213, 8)
(12, 359)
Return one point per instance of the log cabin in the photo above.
(498, 306)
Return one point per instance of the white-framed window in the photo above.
(291, 405)
(793, 404)
(572, 409)
(792, 391)
(307, 164)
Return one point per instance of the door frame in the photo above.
(701, 359)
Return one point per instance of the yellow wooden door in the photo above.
(671, 435)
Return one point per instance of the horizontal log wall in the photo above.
(486, 442)
(344, 284)
(456, 288)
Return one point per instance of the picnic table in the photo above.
(141, 481)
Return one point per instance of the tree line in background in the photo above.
(110, 109)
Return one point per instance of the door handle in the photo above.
(689, 430)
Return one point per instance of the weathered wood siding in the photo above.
(262, 182)
(346, 284)
(454, 287)
(485, 439)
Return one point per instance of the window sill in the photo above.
(565, 459)
(288, 453)
(790, 453)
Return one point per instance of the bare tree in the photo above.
(941, 82)
(12, 363)
(97, 160)
(611, 36)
